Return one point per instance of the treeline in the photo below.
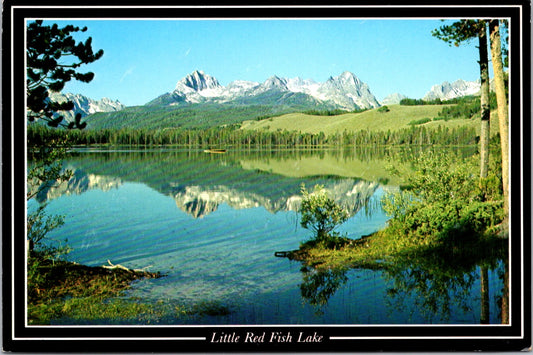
(335, 112)
(419, 102)
(232, 136)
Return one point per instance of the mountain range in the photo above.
(199, 100)
(345, 91)
(459, 88)
(84, 105)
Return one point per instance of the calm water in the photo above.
(212, 224)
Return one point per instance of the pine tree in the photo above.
(47, 71)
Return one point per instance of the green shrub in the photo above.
(321, 214)
(445, 200)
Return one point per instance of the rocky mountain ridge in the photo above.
(85, 105)
(345, 91)
(447, 91)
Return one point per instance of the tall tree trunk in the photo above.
(501, 98)
(485, 105)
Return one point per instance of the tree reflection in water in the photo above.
(442, 279)
(434, 284)
(320, 284)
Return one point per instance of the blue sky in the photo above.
(145, 58)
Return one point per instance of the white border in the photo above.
(520, 7)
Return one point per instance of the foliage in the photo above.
(39, 224)
(320, 213)
(48, 70)
(52, 57)
(459, 31)
(46, 170)
(383, 109)
(420, 102)
(466, 107)
(444, 202)
(420, 121)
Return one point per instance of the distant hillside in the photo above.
(204, 115)
(397, 118)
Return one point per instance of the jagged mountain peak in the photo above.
(197, 81)
(348, 91)
(276, 82)
(346, 79)
(345, 91)
(85, 105)
(349, 76)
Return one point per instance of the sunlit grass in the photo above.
(398, 117)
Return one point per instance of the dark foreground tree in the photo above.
(53, 58)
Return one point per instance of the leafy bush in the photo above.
(320, 213)
(445, 202)
(383, 109)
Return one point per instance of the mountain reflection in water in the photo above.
(199, 184)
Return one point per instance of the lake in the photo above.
(212, 223)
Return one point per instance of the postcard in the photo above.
(241, 177)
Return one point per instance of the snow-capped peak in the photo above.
(197, 81)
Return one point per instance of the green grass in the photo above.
(398, 117)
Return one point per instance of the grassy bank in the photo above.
(61, 292)
(384, 249)
(58, 289)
